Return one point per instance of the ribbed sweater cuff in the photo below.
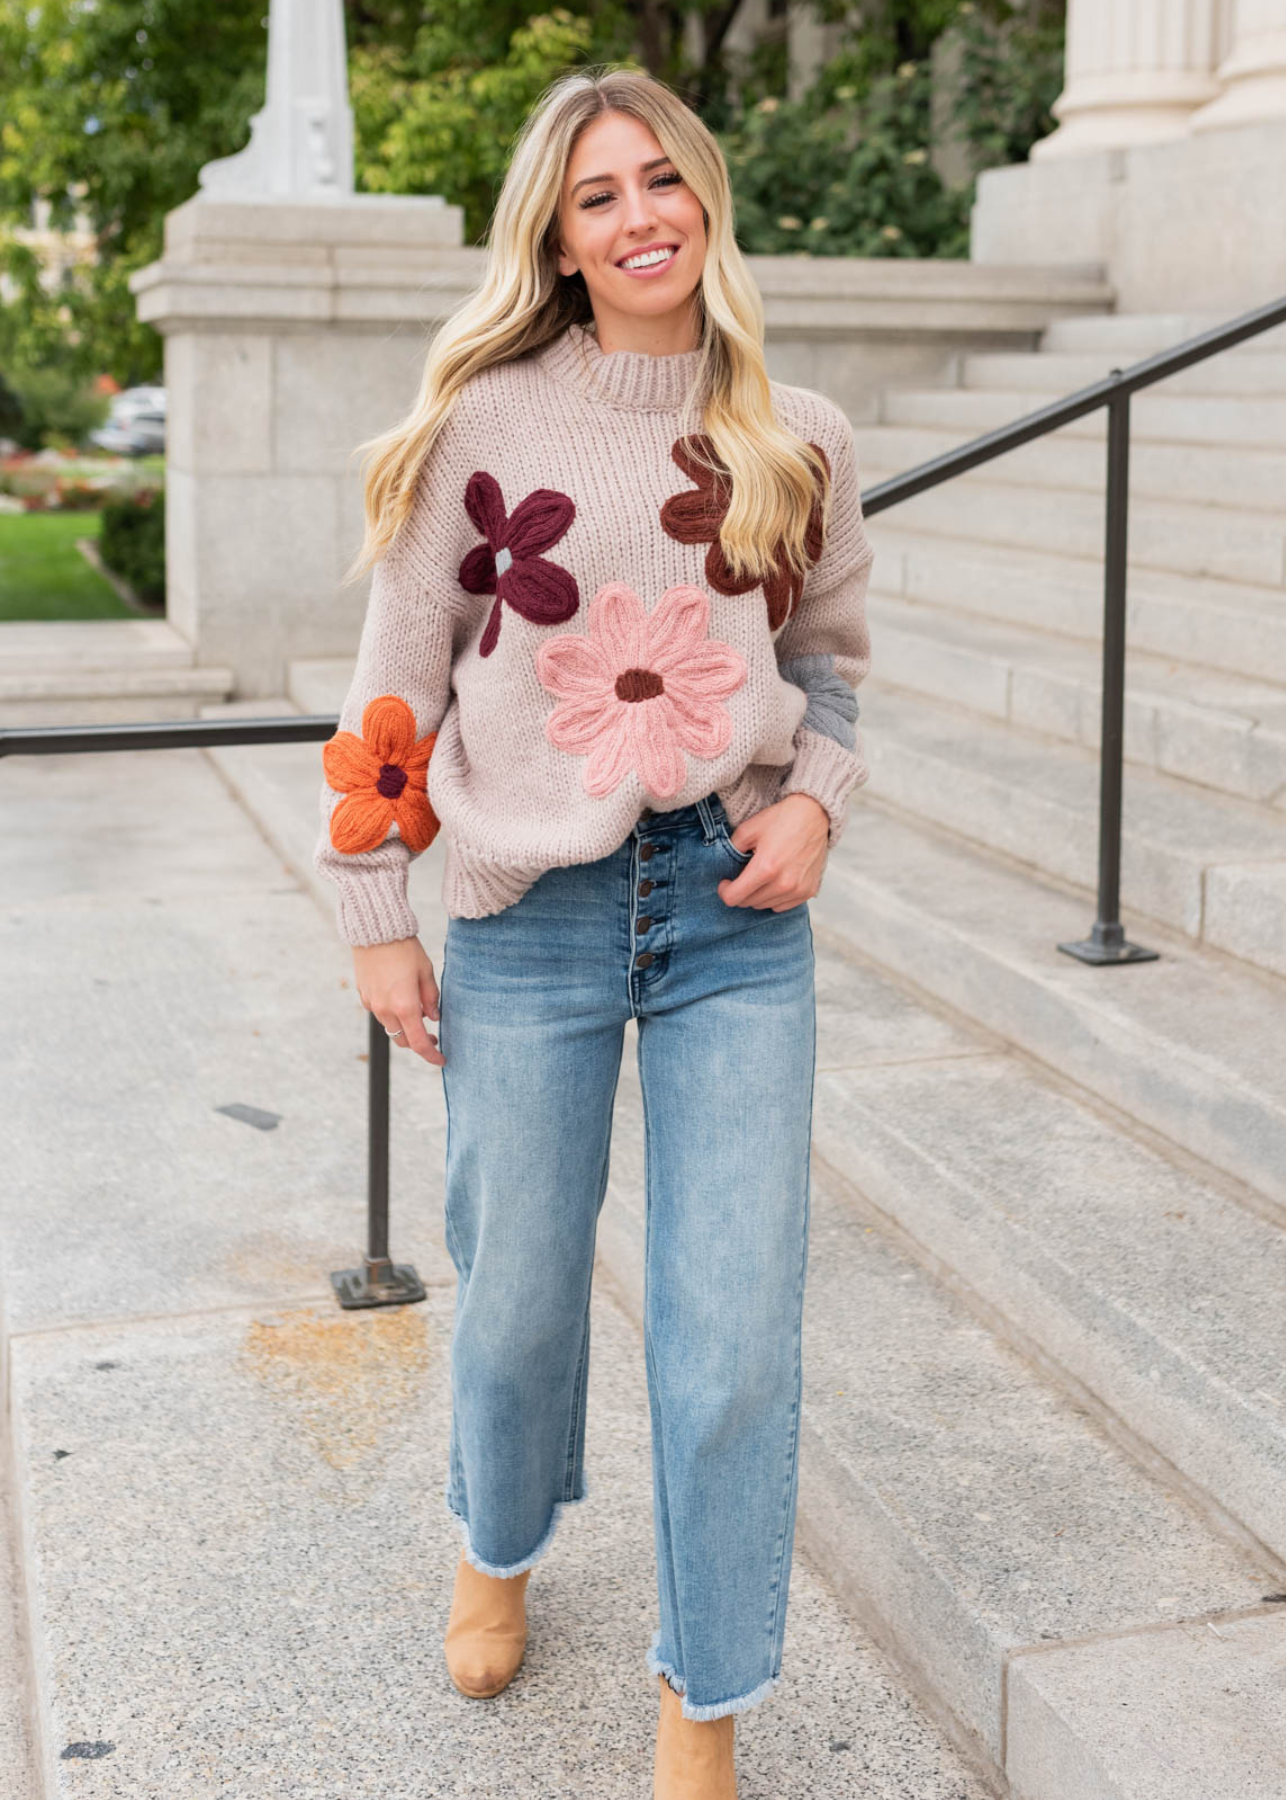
(829, 772)
(373, 907)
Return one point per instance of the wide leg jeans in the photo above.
(534, 1001)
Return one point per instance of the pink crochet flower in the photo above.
(640, 689)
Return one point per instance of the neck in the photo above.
(669, 334)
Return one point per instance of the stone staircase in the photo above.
(1096, 1172)
(986, 618)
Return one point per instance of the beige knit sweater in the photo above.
(554, 642)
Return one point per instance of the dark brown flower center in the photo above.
(638, 684)
(391, 782)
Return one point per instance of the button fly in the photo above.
(645, 923)
(641, 962)
(645, 888)
(646, 852)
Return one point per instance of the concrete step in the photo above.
(1218, 375)
(102, 671)
(1244, 546)
(971, 1514)
(1155, 414)
(236, 1556)
(1199, 474)
(1235, 627)
(1199, 861)
(1143, 334)
(80, 644)
(1189, 1045)
(319, 684)
(1147, 1288)
(1224, 732)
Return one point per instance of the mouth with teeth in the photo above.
(647, 261)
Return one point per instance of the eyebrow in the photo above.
(643, 168)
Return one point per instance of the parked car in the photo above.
(135, 424)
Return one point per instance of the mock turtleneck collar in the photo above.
(628, 378)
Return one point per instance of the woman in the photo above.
(616, 621)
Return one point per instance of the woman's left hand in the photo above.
(790, 841)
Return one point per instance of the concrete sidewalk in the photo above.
(233, 1560)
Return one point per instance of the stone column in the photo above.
(296, 315)
(1253, 72)
(1136, 72)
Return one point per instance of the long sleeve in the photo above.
(824, 648)
(375, 813)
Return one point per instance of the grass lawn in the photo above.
(44, 576)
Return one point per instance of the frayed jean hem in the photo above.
(504, 1570)
(657, 1667)
(719, 1708)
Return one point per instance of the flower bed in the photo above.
(56, 481)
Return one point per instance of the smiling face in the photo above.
(621, 197)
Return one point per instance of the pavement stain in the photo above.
(347, 1380)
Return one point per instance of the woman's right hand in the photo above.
(397, 984)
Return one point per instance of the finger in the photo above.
(430, 999)
(412, 1035)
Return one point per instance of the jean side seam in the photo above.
(792, 1484)
(679, 1681)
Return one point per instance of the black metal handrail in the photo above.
(381, 1282)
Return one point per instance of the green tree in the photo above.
(115, 106)
(442, 119)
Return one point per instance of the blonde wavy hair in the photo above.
(524, 302)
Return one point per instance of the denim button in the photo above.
(645, 851)
(645, 888)
(641, 962)
(645, 923)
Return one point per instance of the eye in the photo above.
(667, 180)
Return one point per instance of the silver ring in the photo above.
(400, 1032)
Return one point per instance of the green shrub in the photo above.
(59, 409)
(131, 542)
(827, 177)
(1011, 73)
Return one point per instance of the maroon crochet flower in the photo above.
(695, 518)
(509, 565)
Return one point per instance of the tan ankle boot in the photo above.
(694, 1758)
(486, 1634)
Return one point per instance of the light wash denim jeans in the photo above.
(534, 1001)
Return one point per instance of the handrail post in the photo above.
(379, 1281)
(1107, 942)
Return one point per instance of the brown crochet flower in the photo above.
(695, 518)
(383, 776)
(509, 565)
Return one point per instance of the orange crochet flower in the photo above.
(383, 776)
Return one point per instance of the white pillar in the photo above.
(1254, 71)
(1136, 71)
(301, 139)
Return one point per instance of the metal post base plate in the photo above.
(1094, 950)
(378, 1283)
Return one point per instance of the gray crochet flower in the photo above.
(832, 705)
